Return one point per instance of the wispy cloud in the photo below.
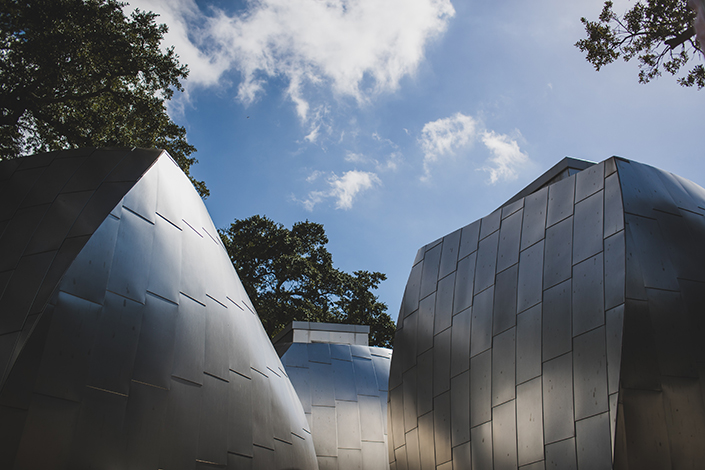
(444, 137)
(354, 48)
(343, 189)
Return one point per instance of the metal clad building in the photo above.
(564, 330)
(126, 337)
(342, 384)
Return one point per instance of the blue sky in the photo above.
(395, 122)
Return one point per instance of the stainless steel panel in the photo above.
(486, 262)
(534, 466)
(557, 254)
(133, 165)
(481, 444)
(444, 304)
(323, 430)
(189, 343)
(319, 352)
(345, 380)
(350, 458)
(425, 321)
(680, 231)
(510, 209)
(155, 348)
(610, 166)
(588, 295)
(534, 224)
(322, 391)
(18, 233)
(142, 199)
(557, 320)
(590, 374)
(490, 224)
(613, 421)
(180, 426)
(509, 237)
(639, 366)
(239, 461)
(429, 277)
(480, 389)
(460, 404)
(400, 455)
(614, 328)
(503, 366)
(193, 252)
(529, 404)
(588, 233)
(262, 416)
(340, 352)
(347, 416)
(424, 390)
(396, 418)
(560, 200)
(530, 283)
(426, 442)
(240, 410)
(55, 224)
(505, 300)
(105, 198)
(593, 442)
(449, 255)
(558, 398)
(374, 456)
(20, 290)
(685, 418)
(442, 427)
(589, 181)
(165, 264)
(504, 436)
(365, 377)
(410, 334)
(634, 178)
(441, 362)
(372, 426)
(656, 267)
(464, 280)
(218, 347)
(413, 456)
(481, 333)
(561, 455)
(410, 399)
(213, 429)
(462, 456)
(411, 292)
(615, 257)
(614, 212)
(529, 344)
(300, 379)
(95, 169)
(460, 343)
(634, 282)
(673, 338)
(468, 239)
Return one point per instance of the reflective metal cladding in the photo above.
(342, 384)
(564, 330)
(126, 337)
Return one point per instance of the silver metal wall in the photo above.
(148, 353)
(552, 334)
(343, 389)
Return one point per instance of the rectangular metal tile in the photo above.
(504, 436)
(413, 457)
(615, 273)
(530, 283)
(155, 348)
(218, 347)
(410, 302)
(429, 276)
(462, 456)
(18, 233)
(396, 417)
(105, 198)
(656, 266)
(347, 416)
(425, 320)
(639, 367)
(180, 426)
(460, 404)
(468, 239)
(213, 429)
(410, 392)
(444, 303)
(409, 337)
(557, 255)
(193, 269)
(460, 342)
(400, 456)
(588, 295)
(142, 198)
(449, 254)
(442, 427)
(590, 374)
(94, 170)
(324, 430)
(593, 442)
(561, 455)
(365, 377)
(464, 279)
(560, 200)
(319, 352)
(426, 442)
(503, 367)
(146, 410)
(541, 465)
(189, 344)
(614, 213)
(685, 416)
(481, 327)
(672, 334)
(481, 388)
(344, 379)
(425, 387)
(322, 391)
(529, 422)
(558, 398)
(534, 223)
(529, 344)
(510, 209)
(490, 223)
(557, 320)
(481, 444)
(588, 232)
(486, 262)
(645, 424)
(635, 178)
(371, 420)
(589, 181)
(509, 237)
(441, 362)
(55, 224)
(505, 300)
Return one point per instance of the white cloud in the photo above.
(343, 189)
(506, 157)
(358, 48)
(444, 137)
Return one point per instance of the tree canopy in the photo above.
(659, 33)
(79, 73)
(289, 276)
